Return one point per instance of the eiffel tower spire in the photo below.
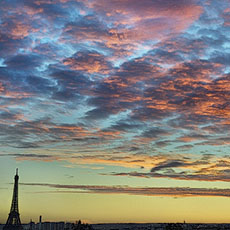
(13, 222)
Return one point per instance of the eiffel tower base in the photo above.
(13, 222)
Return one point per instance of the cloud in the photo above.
(179, 176)
(150, 18)
(91, 62)
(31, 156)
(71, 85)
(210, 175)
(170, 164)
(208, 168)
(146, 81)
(124, 125)
(143, 191)
(23, 62)
(155, 132)
(9, 45)
(121, 26)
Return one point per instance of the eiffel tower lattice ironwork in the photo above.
(13, 222)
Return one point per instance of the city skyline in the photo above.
(116, 111)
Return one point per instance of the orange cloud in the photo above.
(16, 95)
(88, 62)
(1, 88)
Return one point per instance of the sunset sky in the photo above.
(115, 110)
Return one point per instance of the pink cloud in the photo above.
(146, 20)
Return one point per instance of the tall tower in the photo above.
(13, 222)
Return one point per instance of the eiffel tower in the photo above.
(13, 222)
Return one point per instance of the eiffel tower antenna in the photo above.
(13, 222)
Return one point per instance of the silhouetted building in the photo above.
(81, 226)
(31, 225)
(40, 223)
(13, 222)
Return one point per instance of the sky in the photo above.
(115, 111)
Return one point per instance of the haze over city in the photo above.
(116, 111)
